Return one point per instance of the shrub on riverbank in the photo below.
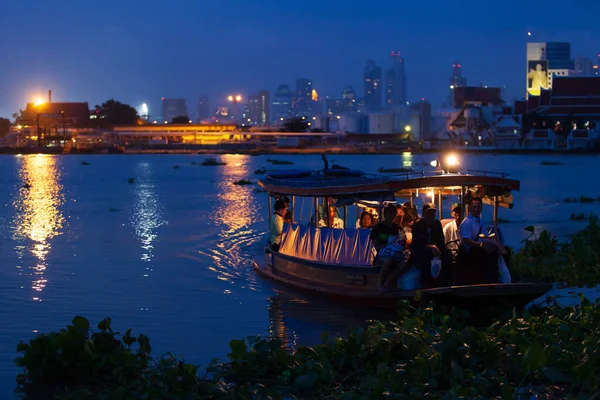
(574, 262)
(423, 355)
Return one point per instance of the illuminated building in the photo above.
(544, 61)
(395, 82)
(173, 108)
(258, 109)
(372, 81)
(302, 101)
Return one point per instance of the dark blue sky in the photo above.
(139, 51)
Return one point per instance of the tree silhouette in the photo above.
(4, 126)
(182, 119)
(114, 112)
(295, 125)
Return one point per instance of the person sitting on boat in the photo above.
(276, 228)
(481, 256)
(451, 234)
(428, 245)
(389, 240)
(365, 221)
(333, 221)
(287, 218)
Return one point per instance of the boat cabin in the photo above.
(326, 208)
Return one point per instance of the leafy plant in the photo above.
(548, 353)
(574, 262)
(212, 162)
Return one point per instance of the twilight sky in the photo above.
(139, 51)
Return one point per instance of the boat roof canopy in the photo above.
(357, 186)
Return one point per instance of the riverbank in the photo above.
(291, 151)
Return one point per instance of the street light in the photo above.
(235, 99)
(407, 128)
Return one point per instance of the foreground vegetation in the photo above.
(574, 262)
(422, 355)
(428, 352)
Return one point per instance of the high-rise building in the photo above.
(545, 60)
(258, 108)
(456, 80)
(584, 66)
(203, 108)
(395, 82)
(372, 80)
(281, 106)
(173, 108)
(302, 102)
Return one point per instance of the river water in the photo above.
(170, 254)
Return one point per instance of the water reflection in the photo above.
(238, 210)
(147, 213)
(298, 319)
(38, 217)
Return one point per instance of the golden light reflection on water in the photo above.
(238, 210)
(147, 213)
(38, 217)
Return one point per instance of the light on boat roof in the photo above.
(452, 161)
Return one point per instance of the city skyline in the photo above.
(94, 55)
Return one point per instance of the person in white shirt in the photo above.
(482, 260)
(276, 228)
(451, 233)
(336, 222)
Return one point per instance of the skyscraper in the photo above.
(258, 108)
(395, 82)
(456, 80)
(303, 98)
(172, 108)
(282, 104)
(584, 66)
(203, 111)
(372, 80)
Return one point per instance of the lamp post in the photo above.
(235, 99)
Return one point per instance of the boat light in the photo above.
(433, 163)
(452, 161)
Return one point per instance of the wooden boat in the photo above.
(339, 262)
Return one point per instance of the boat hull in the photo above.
(361, 283)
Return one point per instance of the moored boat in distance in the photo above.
(324, 249)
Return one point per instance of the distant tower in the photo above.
(303, 99)
(372, 80)
(456, 80)
(282, 104)
(395, 82)
(203, 111)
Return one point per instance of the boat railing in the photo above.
(378, 178)
(486, 173)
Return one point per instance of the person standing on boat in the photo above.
(481, 257)
(451, 233)
(389, 240)
(429, 244)
(276, 228)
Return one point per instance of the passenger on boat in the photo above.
(479, 260)
(365, 221)
(390, 242)
(333, 221)
(287, 218)
(276, 228)
(429, 244)
(451, 234)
